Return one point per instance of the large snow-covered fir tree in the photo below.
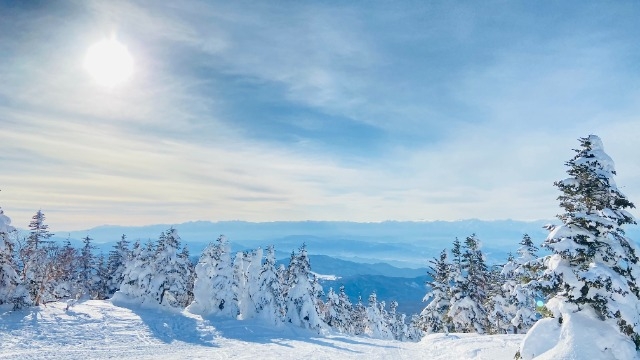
(12, 289)
(592, 273)
(433, 317)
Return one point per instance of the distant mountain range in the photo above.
(389, 258)
(404, 285)
(403, 244)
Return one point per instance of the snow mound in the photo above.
(580, 336)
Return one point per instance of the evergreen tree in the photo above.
(469, 292)
(241, 263)
(433, 317)
(118, 257)
(359, 318)
(269, 300)
(593, 266)
(172, 272)
(138, 274)
(523, 290)
(12, 290)
(303, 303)
(66, 285)
(100, 289)
(87, 268)
(396, 322)
(39, 231)
(377, 321)
(214, 286)
(37, 266)
(338, 311)
(330, 311)
(186, 258)
(500, 305)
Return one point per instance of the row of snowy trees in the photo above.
(249, 284)
(467, 296)
(35, 270)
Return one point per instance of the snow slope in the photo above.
(99, 329)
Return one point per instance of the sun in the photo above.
(109, 62)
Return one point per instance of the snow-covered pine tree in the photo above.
(329, 315)
(303, 294)
(414, 328)
(87, 268)
(269, 299)
(39, 231)
(12, 290)
(469, 291)
(184, 255)
(593, 270)
(65, 260)
(253, 268)
(241, 264)
(524, 296)
(339, 311)
(213, 289)
(169, 280)
(377, 322)
(396, 322)
(456, 258)
(359, 318)
(37, 265)
(118, 257)
(433, 317)
(100, 288)
(137, 274)
(499, 304)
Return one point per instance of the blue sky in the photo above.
(332, 110)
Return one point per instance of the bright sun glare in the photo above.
(109, 62)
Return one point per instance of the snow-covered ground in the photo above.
(100, 329)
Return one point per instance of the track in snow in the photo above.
(100, 330)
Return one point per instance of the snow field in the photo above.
(98, 329)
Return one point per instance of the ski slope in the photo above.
(99, 330)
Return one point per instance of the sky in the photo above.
(311, 110)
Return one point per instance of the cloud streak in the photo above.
(323, 111)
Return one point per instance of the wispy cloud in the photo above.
(301, 111)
